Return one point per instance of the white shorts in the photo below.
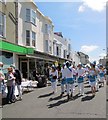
(93, 84)
(102, 79)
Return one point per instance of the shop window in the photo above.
(7, 59)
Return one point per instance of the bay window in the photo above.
(2, 25)
(31, 16)
(33, 39)
(27, 37)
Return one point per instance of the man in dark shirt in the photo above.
(18, 80)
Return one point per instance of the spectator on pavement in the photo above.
(18, 80)
(2, 77)
(10, 85)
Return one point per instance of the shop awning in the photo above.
(7, 46)
(40, 58)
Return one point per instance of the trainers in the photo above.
(20, 98)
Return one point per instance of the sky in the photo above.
(84, 22)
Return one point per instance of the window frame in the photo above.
(3, 24)
(28, 44)
(32, 16)
(34, 39)
(46, 46)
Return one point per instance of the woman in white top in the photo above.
(81, 74)
(92, 78)
(53, 78)
(69, 70)
(102, 75)
(63, 81)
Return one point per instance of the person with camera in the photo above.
(53, 78)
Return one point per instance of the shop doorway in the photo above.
(24, 69)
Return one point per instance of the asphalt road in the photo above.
(40, 103)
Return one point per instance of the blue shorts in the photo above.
(70, 81)
(92, 80)
(101, 74)
(63, 81)
(80, 79)
(53, 80)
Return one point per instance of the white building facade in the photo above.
(62, 47)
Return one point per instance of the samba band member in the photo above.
(63, 82)
(92, 78)
(53, 78)
(69, 80)
(102, 74)
(81, 73)
(97, 76)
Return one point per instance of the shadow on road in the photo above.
(76, 96)
(46, 95)
(88, 92)
(57, 103)
(87, 98)
(87, 82)
(62, 101)
(57, 98)
(88, 86)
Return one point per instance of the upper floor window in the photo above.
(57, 50)
(65, 53)
(2, 25)
(48, 28)
(28, 15)
(46, 46)
(33, 19)
(27, 37)
(33, 39)
(69, 47)
(31, 16)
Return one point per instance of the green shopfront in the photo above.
(9, 54)
(25, 59)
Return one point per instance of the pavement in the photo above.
(40, 103)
